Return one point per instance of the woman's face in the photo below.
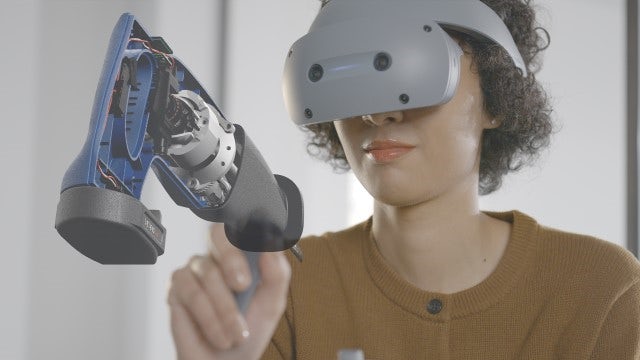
(444, 145)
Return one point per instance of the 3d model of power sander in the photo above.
(151, 112)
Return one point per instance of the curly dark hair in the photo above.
(520, 103)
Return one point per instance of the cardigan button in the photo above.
(434, 306)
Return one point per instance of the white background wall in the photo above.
(55, 304)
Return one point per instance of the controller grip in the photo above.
(243, 299)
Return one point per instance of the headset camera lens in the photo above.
(382, 62)
(316, 72)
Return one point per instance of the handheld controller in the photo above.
(150, 112)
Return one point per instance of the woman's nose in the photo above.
(382, 118)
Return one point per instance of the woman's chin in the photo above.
(399, 198)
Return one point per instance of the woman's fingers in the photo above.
(231, 260)
(188, 339)
(217, 290)
(205, 320)
(188, 293)
(270, 299)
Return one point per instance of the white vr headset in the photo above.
(372, 56)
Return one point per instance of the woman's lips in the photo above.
(387, 150)
(387, 155)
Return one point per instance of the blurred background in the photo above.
(57, 304)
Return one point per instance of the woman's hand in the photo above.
(205, 321)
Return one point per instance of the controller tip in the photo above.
(295, 249)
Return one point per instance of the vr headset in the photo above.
(373, 56)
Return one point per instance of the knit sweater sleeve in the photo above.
(619, 336)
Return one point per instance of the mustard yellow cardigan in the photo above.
(553, 295)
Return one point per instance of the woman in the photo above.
(429, 275)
